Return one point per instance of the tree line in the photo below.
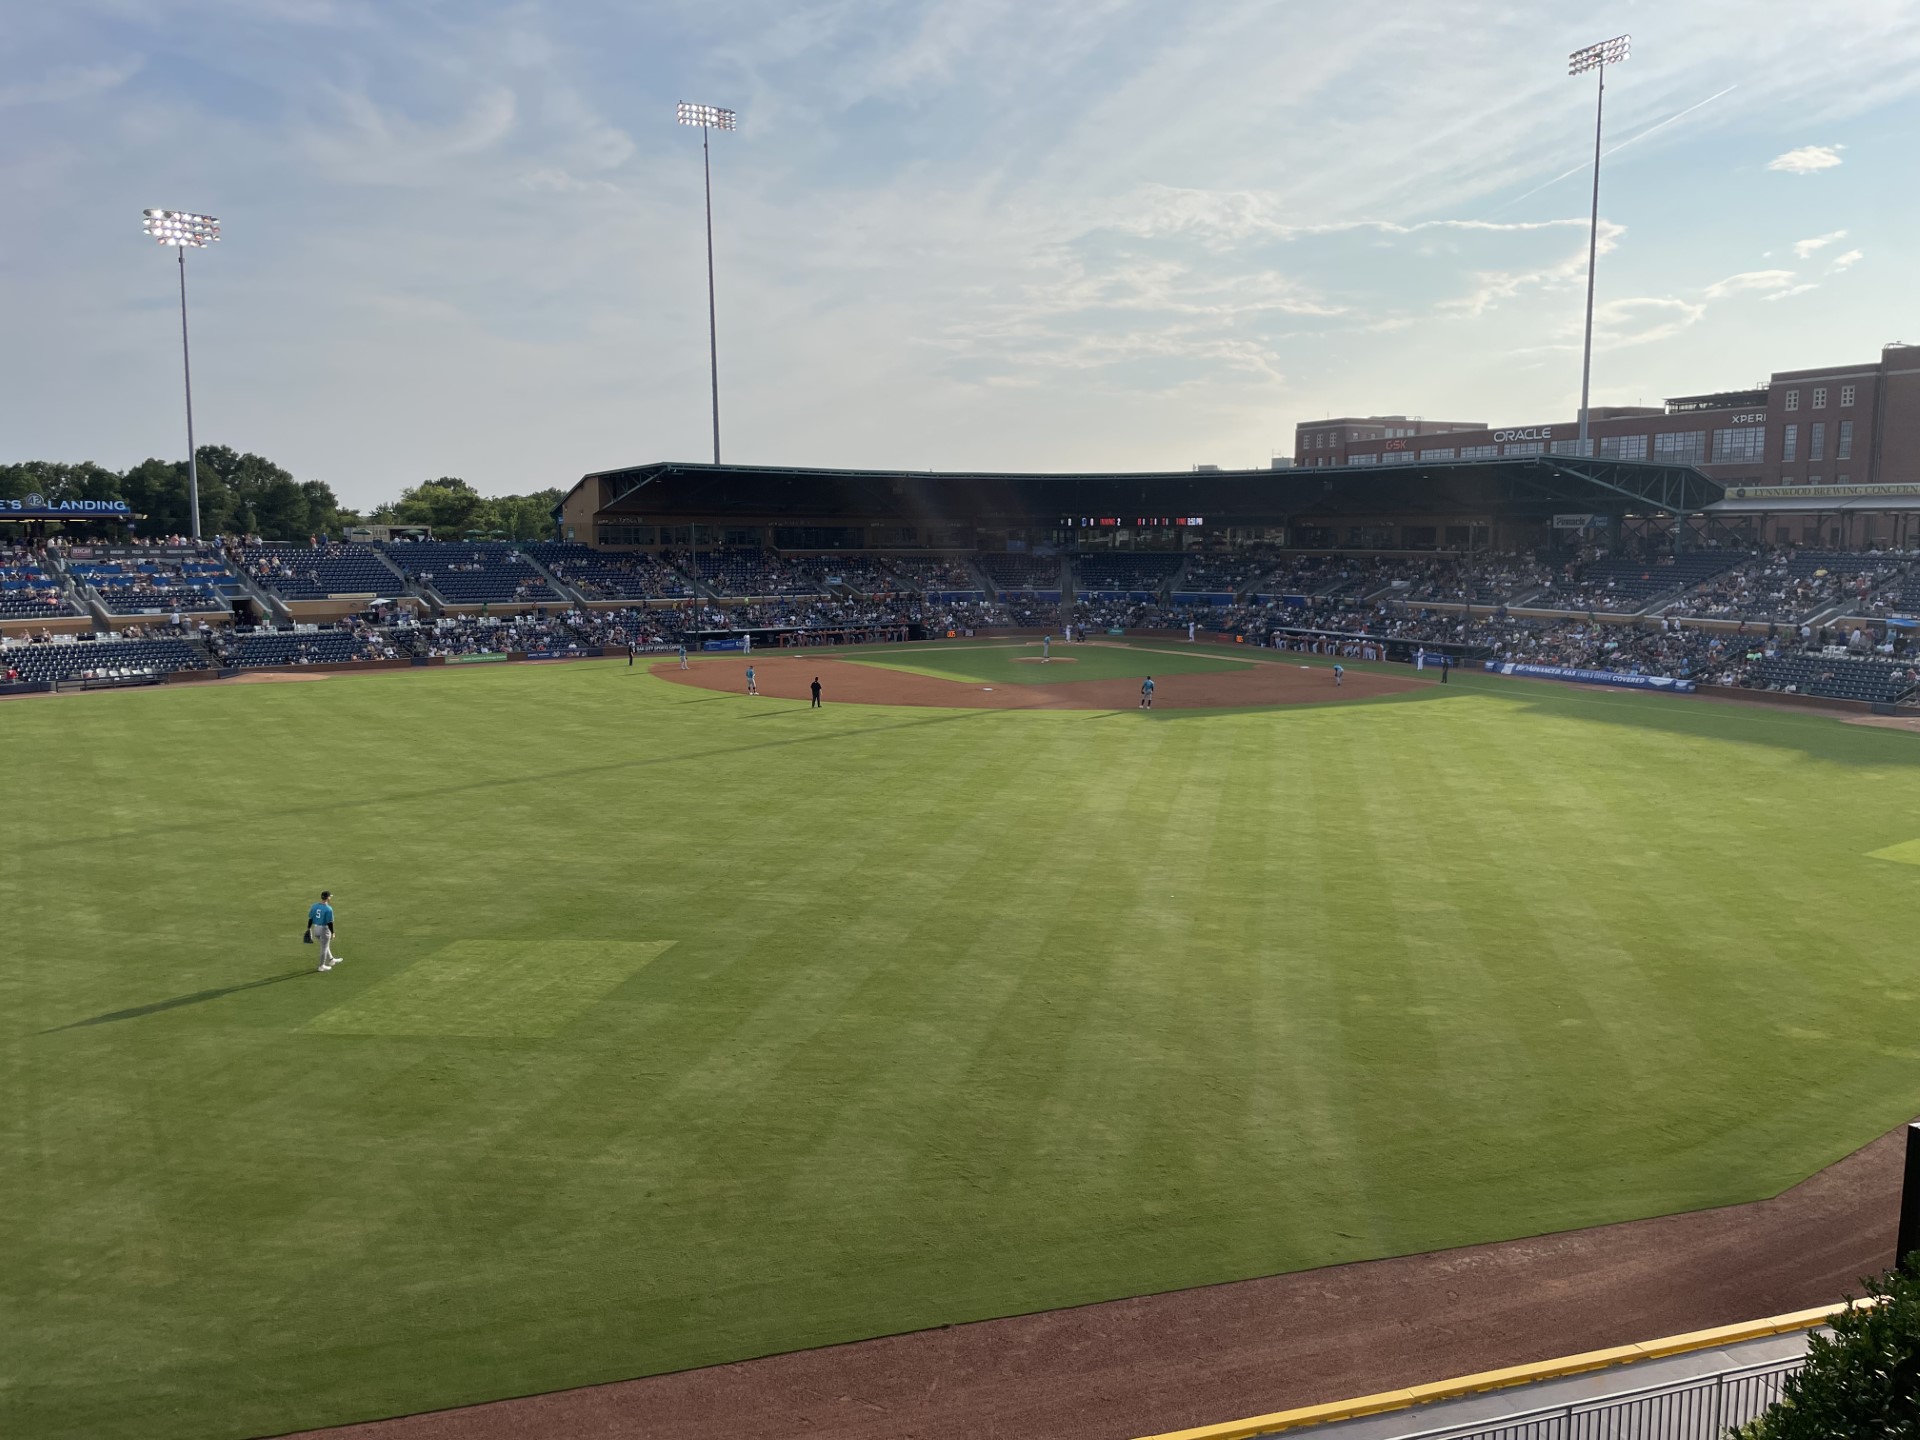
(250, 495)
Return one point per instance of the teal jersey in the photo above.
(321, 914)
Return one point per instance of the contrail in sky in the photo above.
(1614, 151)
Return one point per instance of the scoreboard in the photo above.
(1140, 522)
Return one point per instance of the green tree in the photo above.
(448, 504)
(56, 481)
(1864, 1380)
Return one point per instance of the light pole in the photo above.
(181, 229)
(710, 117)
(1597, 58)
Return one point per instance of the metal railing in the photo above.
(1701, 1408)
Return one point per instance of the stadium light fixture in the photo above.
(185, 231)
(1595, 58)
(709, 118)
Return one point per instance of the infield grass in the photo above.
(677, 1027)
(1021, 663)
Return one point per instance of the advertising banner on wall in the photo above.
(1592, 677)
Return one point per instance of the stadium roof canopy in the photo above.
(1519, 488)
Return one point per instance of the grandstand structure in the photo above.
(1604, 567)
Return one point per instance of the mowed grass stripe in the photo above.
(965, 1013)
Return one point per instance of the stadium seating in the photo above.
(27, 590)
(744, 570)
(298, 572)
(599, 575)
(1795, 585)
(286, 647)
(1141, 576)
(149, 582)
(1021, 572)
(40, 664)
(1226, 573)
(862, 574)
(921, 575)
(473, 572)
(1624, 585)
(1879, 681)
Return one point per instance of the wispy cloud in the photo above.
(1804, 248)
(1748, 280)
(1792, 290)
(1807, 159)
(71, 82)
(1841, 262)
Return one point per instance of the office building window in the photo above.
(1843, 441)
(1740, 443)
(1819, 397)
(1790, 445)
(1398, 457)
(1623, 447)
(1846, 396)
(1573, 447)
(1817, 440)
(1793, 399)
(1479, 452)
(1363, 460)
(1683, 447)
(1843, 479)
(1815, 480)
(1444, 453)
(1526, 447)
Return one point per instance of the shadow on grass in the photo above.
(199, 997)
(1817, 734)
(541, 777)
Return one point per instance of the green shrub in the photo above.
(1861, 1381)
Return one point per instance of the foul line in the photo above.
(1259, 1425)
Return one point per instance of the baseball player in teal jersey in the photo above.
(320, 929)
(1146, 693)
(752, 689)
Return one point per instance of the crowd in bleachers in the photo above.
(742, 570)
(300, 572)
(28, 590)
(1226, 572)
(1143, 573)
(1790, 584)
(1008, 571)
(145, 581)
(609, 575)
(942, 574)
(1619, 584)
(1478, 580)
(473, 572)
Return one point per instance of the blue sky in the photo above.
(465, 238)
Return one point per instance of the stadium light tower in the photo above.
(708, 118)
(1596, 58)
(182, 229)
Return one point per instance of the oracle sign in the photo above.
(1535, 432)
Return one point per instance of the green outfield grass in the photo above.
(1017, 663)
(677, 1027)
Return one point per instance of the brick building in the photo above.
(1842, 425)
